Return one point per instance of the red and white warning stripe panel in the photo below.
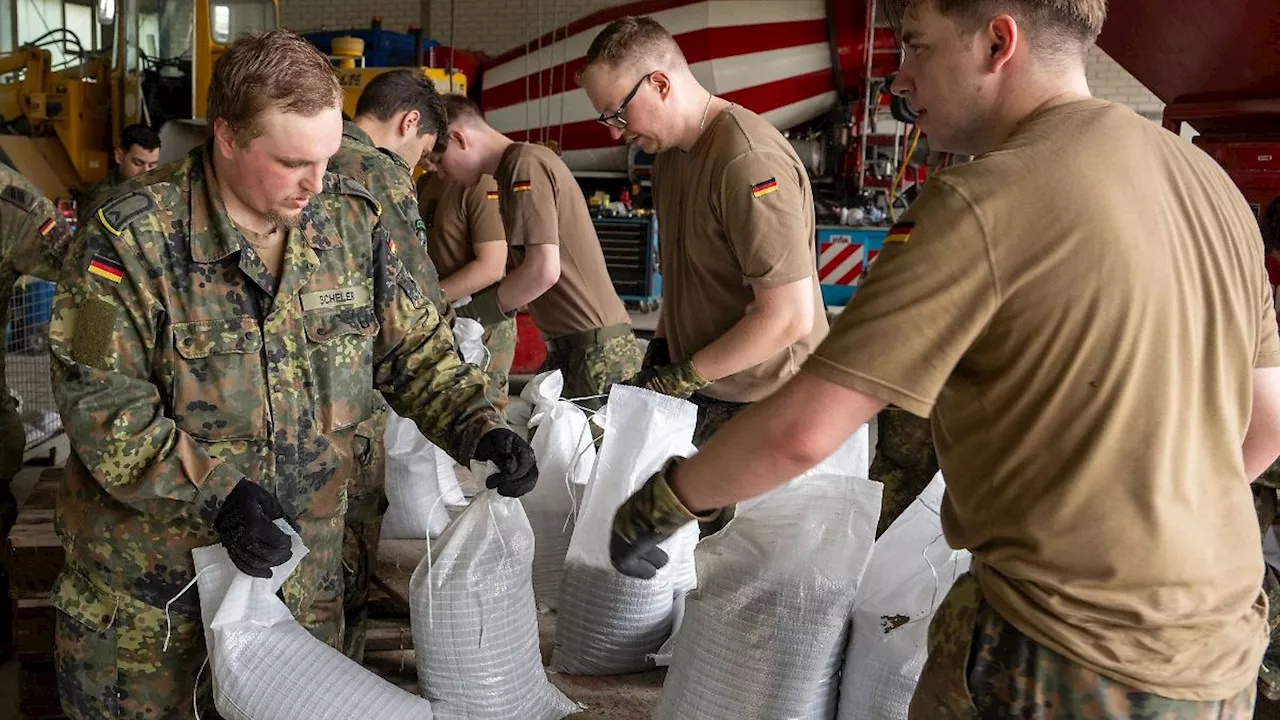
(843, 261)
(770, 56)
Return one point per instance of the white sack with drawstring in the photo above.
(418, 475)
(468, 335)
(474, 623)
(775, 589)
(566, 456)
(912, 569)
(610, 623)
(268, 667)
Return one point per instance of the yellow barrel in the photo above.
(347, 49)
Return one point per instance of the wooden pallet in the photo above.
(35, 557)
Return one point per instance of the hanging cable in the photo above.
(902, 173)
(564, 77)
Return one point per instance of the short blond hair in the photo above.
(638, 42)
(1052, 25)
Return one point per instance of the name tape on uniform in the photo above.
(340, 297)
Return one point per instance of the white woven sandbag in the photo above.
(417, 474)
(775, 588)
(474, 623)
(609, 623)
(912, 569)
(566, 455)
(268, 667)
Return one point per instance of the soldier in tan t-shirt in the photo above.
(557, 265)
(469, 248)
(1083, 312)
(741, 306)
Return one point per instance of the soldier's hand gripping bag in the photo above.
(474, 623)
(609, 623)
(268, 667)
(775, 588)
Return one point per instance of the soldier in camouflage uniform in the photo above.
(217, 336)
(137, 153)
(33, 241)
(398, 117)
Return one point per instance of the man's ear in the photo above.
(409, 123)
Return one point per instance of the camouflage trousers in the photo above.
(712, 415)
(905, 461)
(593, 361)
(109, 648)
(1266, 505)
(981, 667)
(363, 528)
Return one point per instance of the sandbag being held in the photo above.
(475, 628)
(610, 623)
(764, 633)
(418, 474)
(566, 456)
(268, 667)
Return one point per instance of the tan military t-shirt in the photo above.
(543, 205)
(1081, 311)
(458, 218)
(735, 214)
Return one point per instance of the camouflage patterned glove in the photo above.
(486, 307)
(679, 380)
(647, 518)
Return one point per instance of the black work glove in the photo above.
(517, 471)
(648, 517)
(246, 525)
(486, 308)
(658, 353)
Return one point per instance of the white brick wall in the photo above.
(1110, 81)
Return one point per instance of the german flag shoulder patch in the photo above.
(106, 268)
(900, 233)
(521, 186)
(47, 227)
(764, 187)
(491, 195)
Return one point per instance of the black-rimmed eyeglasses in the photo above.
(615, 119)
